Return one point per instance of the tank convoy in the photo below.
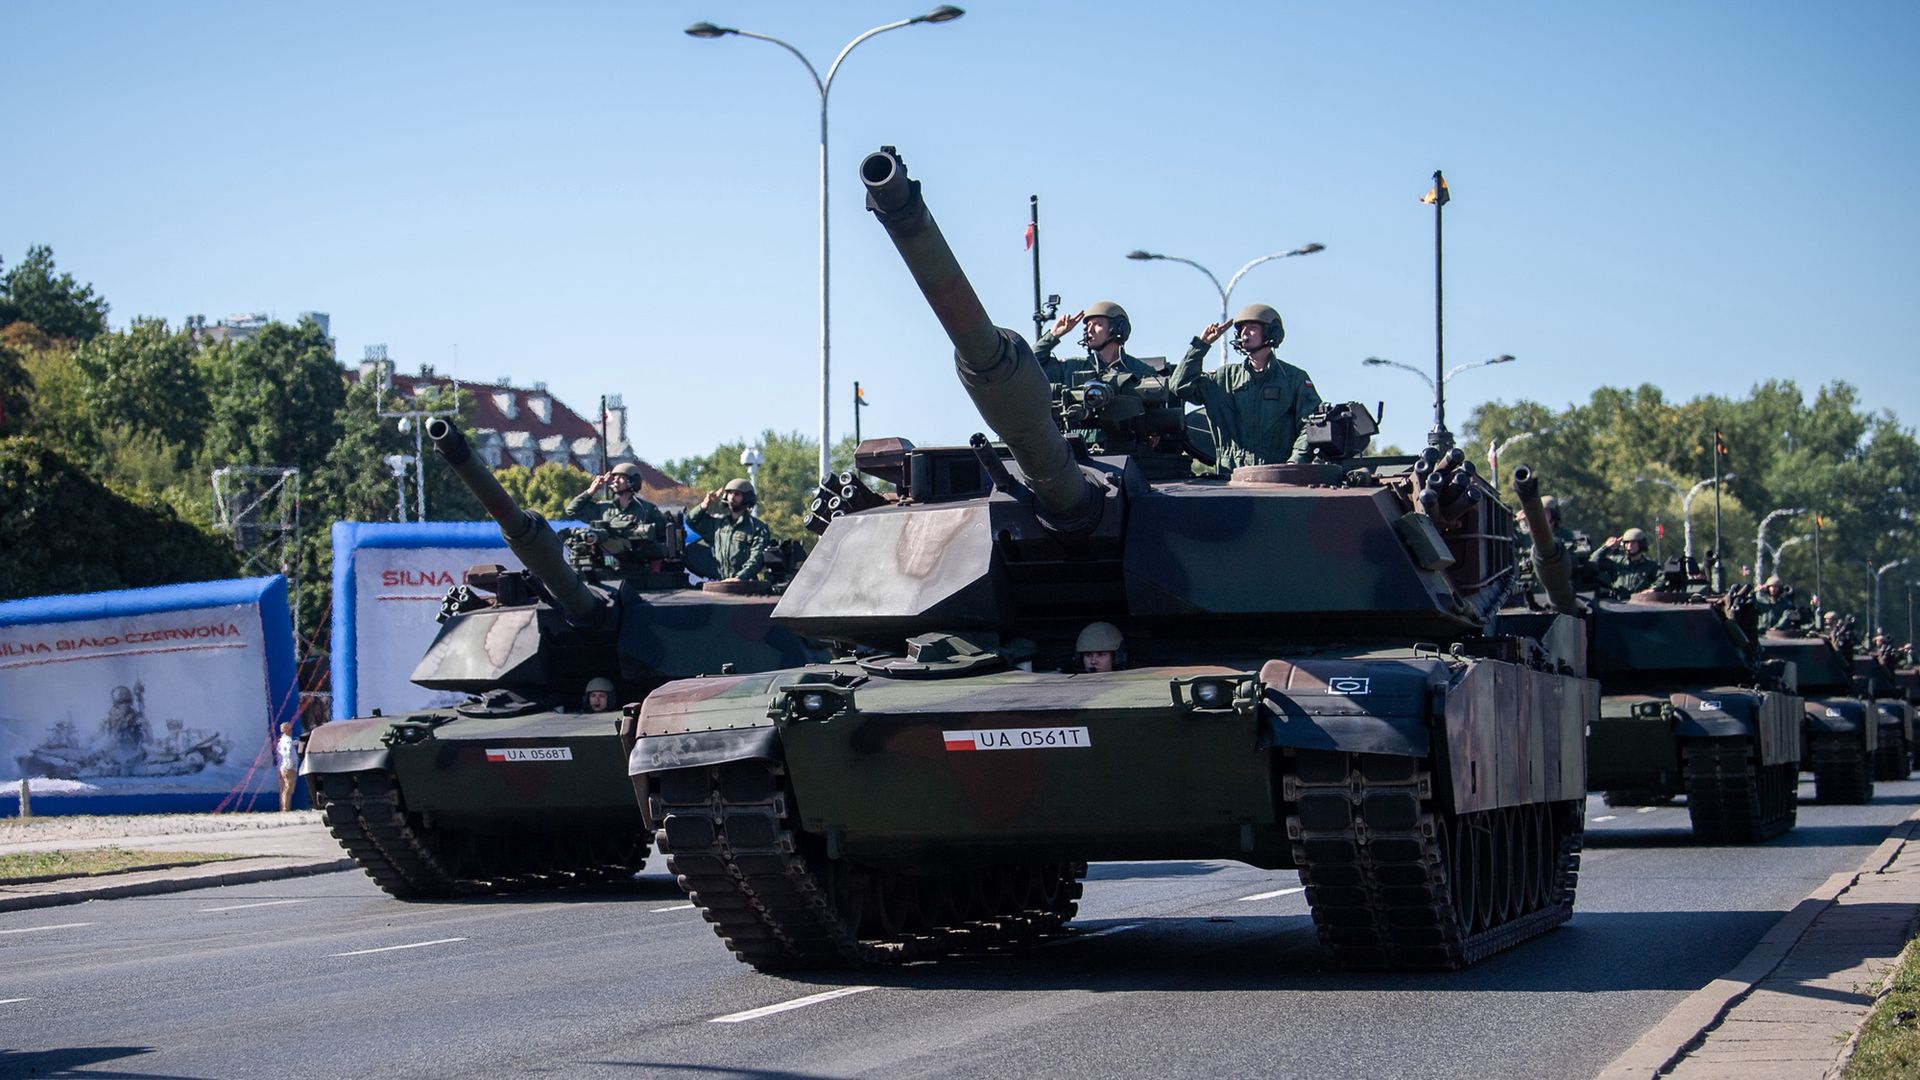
(1840, 735)
(521, 784)
(1876, 680)
(1315, 677)
(1688, 707)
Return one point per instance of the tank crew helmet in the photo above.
(122, 696)
(1099, 637)
(629, 470)
(598, 685)
(1634, 534)
(1773, 581)
(1119, 327)
(1272, 330)
(744, 486)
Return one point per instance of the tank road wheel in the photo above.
(779, 902)
(1395, 879)
(1891, 759)
(1841, 770)
(1731, 798)
(364, 812)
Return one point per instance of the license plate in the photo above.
(1031, 738)
(531, 753)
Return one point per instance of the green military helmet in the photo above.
(1118, 324)
(1773, 580)
(744, 486)
(1633, 534)
(1272, 330)
(1099, 637)
(602, 684)
(629, 470)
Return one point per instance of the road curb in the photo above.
(160, 883)
(1687, 1024)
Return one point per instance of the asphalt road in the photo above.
(1188, 968)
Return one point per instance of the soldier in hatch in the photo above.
(1773, 602)
(599, 695)
(636, 527)
(737, 541)
(1105, 329)
(1258, 406)
(1624, 565)
(1099, 647)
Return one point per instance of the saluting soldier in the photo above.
(1105, 329)
(1624, 565)
(737, 540)
(1259, 405)
(625, 516)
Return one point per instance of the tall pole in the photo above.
(1819, 571)
(856, 416)
(1439, 437)
(1033, 244)
(1719, 552)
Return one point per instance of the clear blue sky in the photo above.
(1697, 195)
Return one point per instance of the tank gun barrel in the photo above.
(525, 531)
(995, 365)
(1551, 562)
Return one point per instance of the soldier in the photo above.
(1773, 603)
(599, 695)
(1259, 406)
(1623, 563)
(1104, 337)
(1099, 647)
(738, 541)
(626, 516)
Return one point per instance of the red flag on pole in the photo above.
(1029, 246)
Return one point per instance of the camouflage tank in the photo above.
(1309, 679)
(522, 784)
(1841, 734)
(1906, 678)
(1689, 708)
(1874, 679)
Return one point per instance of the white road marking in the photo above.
(1094, 934)
(260, 903)
(676, 907)
(9, 1001)
(1606, 817)
(788, 1006)
(37, 929)
(395, 948)
(1646, 810)
(1274, 893)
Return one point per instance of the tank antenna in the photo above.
(1439, 438)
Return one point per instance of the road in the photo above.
(1185, 968)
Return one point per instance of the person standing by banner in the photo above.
(289, 760)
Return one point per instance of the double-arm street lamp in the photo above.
(1878, 572)
(1225, 291)
(943, 13)
(1760, 540)
(1376, 361)
(1686, 501)
(1495, 448)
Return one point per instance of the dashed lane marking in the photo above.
(676, 907)
(1122, 928)
(1646, 810)
(1607, 817)
(258, 903)
(789, 1006)
(396, 948)
(10, 1001)
(1274, 893)
(37, 929)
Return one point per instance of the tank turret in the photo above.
(524, 531)
(1552, 563)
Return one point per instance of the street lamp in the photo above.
(943, 13)
(1439, 436)
(1226, 290)
(752, 458)
(1776, 550)
(1495, 448)
(1686, 501)
(1760, 540)
(1877, 572)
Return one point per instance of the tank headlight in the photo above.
(1210, 694)
(1217, 693)
(811, 701)
(813, 704)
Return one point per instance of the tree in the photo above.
(275, 398)
(786, 481)
(59, 306)
(545, 489)
(145, 381)
(14, 388)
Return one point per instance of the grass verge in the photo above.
(27, 867)
(1889, 1047)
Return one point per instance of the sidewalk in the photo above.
(270, 846)
(1794, 1007)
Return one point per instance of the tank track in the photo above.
(1842, 772)
(412, 861)
(1892, 759)
(1731, 799)
(779, 902)
(1395, 880)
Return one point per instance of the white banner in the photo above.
(177, 701)
(397, 594)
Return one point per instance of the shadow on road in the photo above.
(75, 1061)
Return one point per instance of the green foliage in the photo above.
(60, 306)
(787, 477)
(545, 489)
(1858, 472)
(15, 387)
(275, 398)
(64, 531)
(144, 381)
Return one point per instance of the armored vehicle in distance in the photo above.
(1874, 679)
(1311, 677)
(522, 784)
(1841, 733)
(1688, 708)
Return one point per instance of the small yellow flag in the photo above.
(1437, 195)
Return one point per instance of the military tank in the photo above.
(1311, 678)
(1906, 678)
(522, 785)
(1875, 680)
(1689, 708)
(1841, 733)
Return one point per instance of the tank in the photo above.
(1688, 707)
(1906, 679)
(1312, 678)
(1841, 733)
(522, 785)
(1875, 680)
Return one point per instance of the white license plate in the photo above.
(531, 753)
(1021, 738)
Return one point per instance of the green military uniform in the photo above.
(1126, 376)
(1626, 574)
(640, 523)
(1773, 612)
(1258, 417)
(739, 544)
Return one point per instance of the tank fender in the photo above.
(697, 749)
(1835, 716)
(348, 746)
(345, 761)
(1515, 735)
(1714, 714)
(711, 720)
(1359, 706)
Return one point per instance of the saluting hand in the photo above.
(1215, 331)
(1067, 322)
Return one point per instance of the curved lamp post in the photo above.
(943, 13)
(1225, 291)
(1760, 540)
(1878, 571)
(1495, 448)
